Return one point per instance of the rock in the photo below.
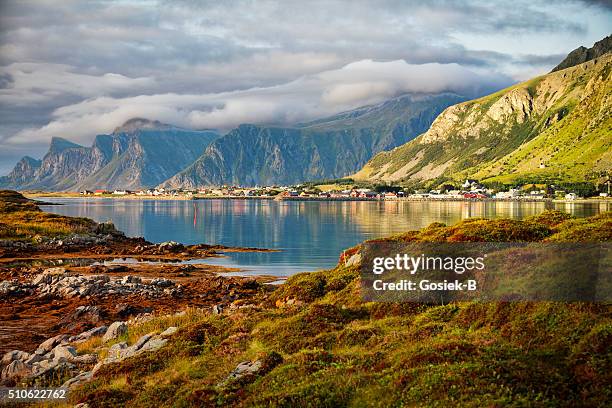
(65, 352)
(106, 228)
(49, 344)
(245, 368)
(11, 356)
(130, 279)
(52, 372)
(35, 358)
(169, 331)
(55, 271)
(115, 330)
(125, 310)
(85, 359)
(16, 368)
(141, 341)
(170, 246)
(77, 380)
(217, 309)
(86, 335)
(154, 344)
(162, 282)
(42, 278)
(249, 369)
(355, 259)
(116, 351)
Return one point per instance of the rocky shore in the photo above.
(57, 291)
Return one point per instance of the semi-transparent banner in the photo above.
(444, 272)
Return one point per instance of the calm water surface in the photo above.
(310, 235)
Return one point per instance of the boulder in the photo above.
(35, 358)
(11, 356)
(169, 331)
(154, 344)
(131, 279)
(46, 373)
(77, 380)
(85, 359)
(86, 335)
(16, 368)
(66, 352)
(162, 282)
(49, 344)
(55, 271)
(248, 370)
(115, 330)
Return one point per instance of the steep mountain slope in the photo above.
(557, 126)
(139, 154)
(326, 148)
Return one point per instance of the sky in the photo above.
(75, 69)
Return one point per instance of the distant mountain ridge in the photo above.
(331, 147)
(137, 155)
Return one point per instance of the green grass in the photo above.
(21, 218)
(568, 131)
(333, 350)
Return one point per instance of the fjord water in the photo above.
(309, 234)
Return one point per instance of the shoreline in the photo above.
(321, 199)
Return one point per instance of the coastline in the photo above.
(332, 199)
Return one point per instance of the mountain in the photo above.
(583, 54)
(556, 126)
(138, 154)
(23, 172)
(327, 148)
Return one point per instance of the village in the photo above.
(468, 190)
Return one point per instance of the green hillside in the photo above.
(554, 127)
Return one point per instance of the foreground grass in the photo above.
(321, 346)
(21, 218)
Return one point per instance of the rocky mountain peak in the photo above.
(141, 123)
(583, 54)
(59, 144)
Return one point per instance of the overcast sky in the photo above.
(79, 68)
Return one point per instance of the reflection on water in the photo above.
(311, 234)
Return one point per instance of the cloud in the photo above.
(70, 66)
(35, 83)
(308, 97)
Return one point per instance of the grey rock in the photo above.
(55, 271)
(86, 335)
(162, 282)
(141, 341)
(115, 330)
(49, 344)
(11, 356)
(131, 279)
(169, 331)
(85, 359)
(16, 368)
(35, 358)
(154, 344)
(77, 380)
(65, 352)
(242, 370)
